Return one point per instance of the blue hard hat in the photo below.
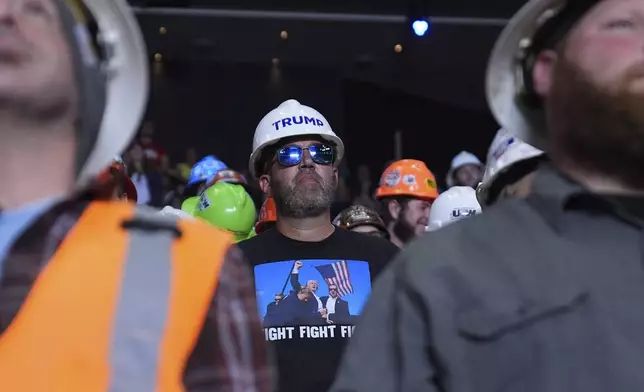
(205, 169)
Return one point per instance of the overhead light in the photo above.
(276, 61)
(420, 27)
(157, 57)
(398, 48)
(162, 30)
(284, 34)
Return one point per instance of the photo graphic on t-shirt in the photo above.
(299, 299)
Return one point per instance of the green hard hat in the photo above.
(229, 207)
(251, 234)
(190, 205)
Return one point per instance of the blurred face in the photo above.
(118, 194)
(333, 291)
(303, 296)
(304, 190)
(136, 152)
(469, 175)
(312, 285)
(36, 70)
(593, 87)
(147, 133)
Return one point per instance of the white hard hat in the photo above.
(461, 159)
(508, 78)
(123, 71)
(291, 119)
(454, 204)
(505, 151)
(171, 211)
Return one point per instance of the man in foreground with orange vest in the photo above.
(406, 193)
(102, 296)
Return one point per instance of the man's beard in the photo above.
(404, 231)
(598, 131)
(308, 200)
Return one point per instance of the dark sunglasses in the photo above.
(321, 153)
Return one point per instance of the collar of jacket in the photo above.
(556, 193)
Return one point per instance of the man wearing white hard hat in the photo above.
(543, 293)
(295, 156)
(456, 203)
(465, 170)
(100, 295)
(510, 169)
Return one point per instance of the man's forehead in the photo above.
(605, 8)
(420, 202)
(302, 141)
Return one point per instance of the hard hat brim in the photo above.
(504, 83)
(127, 86)
(483, 189)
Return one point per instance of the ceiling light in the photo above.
(398, 48)
(284, 34)
(420, 27)
(158, 57)
(162, 30)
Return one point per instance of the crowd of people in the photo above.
(120, 271)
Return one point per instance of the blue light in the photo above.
(420, 27)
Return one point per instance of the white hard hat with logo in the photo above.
(506, 151)
(539, 24)
(291, 119)
(111, 68)
(463, 158)
(454, 204)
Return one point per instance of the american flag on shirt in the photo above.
(337, 274)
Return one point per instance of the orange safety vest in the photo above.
(114, 309)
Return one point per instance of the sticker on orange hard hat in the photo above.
(392, 179)
(409, 179)
(431, 183)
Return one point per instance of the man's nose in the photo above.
(307, 159)
(7, 11)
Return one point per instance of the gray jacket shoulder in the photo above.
(509, 249)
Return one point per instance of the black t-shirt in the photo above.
(309, 345)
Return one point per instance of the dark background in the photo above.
(217, 76)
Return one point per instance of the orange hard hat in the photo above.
(408, 177)
(267, 214)
(228, 175)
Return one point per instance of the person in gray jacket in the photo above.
(543, 293)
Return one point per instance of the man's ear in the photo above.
(394, 208)
(543, 71)
(336, 174)
(265, 184)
